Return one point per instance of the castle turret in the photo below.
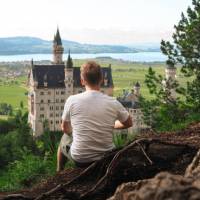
(57, 49)
(45, 81)
(170, 72)
(105, 79)
(69, 75)
(137, 89)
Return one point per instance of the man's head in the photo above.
(91, 74)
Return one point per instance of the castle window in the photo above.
(49, 101)
(41, 108)
(49, 93)
(62, 92)
(57, 107)
(32, 104)
(41, 115)
(57, 92)
(51, 122)
(62, 107)
(57, 122)
(57, 114)
(51, 107)
(41, 93)
(62, 100)
(42, 101)
(51, 114)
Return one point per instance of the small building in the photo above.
(130, 100)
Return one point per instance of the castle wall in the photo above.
(48, 107)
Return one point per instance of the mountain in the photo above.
(33, 45)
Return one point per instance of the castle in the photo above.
(130, 100)
(51, 85)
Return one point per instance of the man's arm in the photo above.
(66, 127)
(123, 125)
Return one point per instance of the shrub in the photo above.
(27, 171)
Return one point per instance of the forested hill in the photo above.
(31, 45)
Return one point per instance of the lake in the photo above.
(133, 57)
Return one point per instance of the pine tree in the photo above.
(185, 50)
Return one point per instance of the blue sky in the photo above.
(92, 21)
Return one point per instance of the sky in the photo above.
(92, 21)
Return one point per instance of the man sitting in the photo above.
(91, 116)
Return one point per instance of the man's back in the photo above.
(92, 115)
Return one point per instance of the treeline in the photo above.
(5, 109)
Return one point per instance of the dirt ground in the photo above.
(101, 180)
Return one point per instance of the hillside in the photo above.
(33, 45)
(137, 163)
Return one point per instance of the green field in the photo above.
(13, 95)
(125, 75)
(13, 91)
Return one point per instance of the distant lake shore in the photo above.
(132, 57)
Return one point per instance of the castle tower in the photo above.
(170, 74)
(105, 79)
(137, 89)
(69, 75)
(57, 49)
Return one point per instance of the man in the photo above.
(91, 116)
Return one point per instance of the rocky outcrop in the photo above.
(164, 186)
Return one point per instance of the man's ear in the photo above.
(82, 82)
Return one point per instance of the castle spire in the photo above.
(69, 63)
(57, 48)
(57, 38)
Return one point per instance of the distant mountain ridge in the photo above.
(33, 45)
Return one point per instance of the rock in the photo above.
(193, 170)
(164, 186)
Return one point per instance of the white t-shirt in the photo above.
(92, 115)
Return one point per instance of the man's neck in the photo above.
(89, 88)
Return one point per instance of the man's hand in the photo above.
(123, 125)
(66, 127)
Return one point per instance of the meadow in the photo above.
(13, 91)
(125, 75)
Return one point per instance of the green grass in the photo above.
(13, 94)
(26, 172)
(4, 117)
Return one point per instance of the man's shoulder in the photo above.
(109, 98)
(86, 95)
(74, 97)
